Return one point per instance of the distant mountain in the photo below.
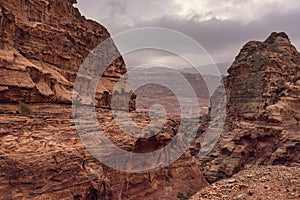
(210, 69)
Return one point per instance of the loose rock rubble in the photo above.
(259, 183)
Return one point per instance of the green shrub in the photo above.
(191, 192)
(86, 162)
(114, 116)
(186, 196)
(181, 196)
(2, 112)
(24, 109)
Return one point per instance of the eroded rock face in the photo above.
(262, 122)
(262, 75)
(42, 157)
(43, 43)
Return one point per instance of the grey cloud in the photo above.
(119, 15)
(218, 36)
(221, 38)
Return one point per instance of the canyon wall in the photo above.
(42, 45)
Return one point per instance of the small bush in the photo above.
(186, 196)
(181, 196)
(24, 109)
(114, 116)
(86, 162)
(191, 192)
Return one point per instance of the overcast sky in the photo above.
(220, 26)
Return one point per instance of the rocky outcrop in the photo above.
(42, 157)
(43, 43)
(262, 122)
(262, 75)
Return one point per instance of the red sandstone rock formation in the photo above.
(43, 43)
(42, 157)
(263, 98)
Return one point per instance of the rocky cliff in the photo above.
(43, 43)
(262, 117)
